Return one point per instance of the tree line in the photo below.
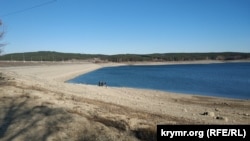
(157, 57)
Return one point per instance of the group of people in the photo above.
(101, 83)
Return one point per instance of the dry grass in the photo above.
(5, 80)
(146, 134)
(120, 125)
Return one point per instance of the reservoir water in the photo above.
(230, 80)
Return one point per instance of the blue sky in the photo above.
(126, 26)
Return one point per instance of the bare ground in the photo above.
(46, 110)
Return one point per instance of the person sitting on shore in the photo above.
(101, 83)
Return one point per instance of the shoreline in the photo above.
(4, 64)
(37, 100)
(81, 70)
(112, 64)
(165, 63)
(186, 62)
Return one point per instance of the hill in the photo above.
(158, 57)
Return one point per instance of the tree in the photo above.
(1, 36)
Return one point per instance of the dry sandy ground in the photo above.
(36, 104)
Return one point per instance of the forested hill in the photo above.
(57, 56)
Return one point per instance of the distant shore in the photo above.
(185, 62)
(39, 63)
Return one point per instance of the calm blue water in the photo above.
(231, 80)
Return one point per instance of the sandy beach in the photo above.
(37, 104)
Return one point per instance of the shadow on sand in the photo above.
(20, 121)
